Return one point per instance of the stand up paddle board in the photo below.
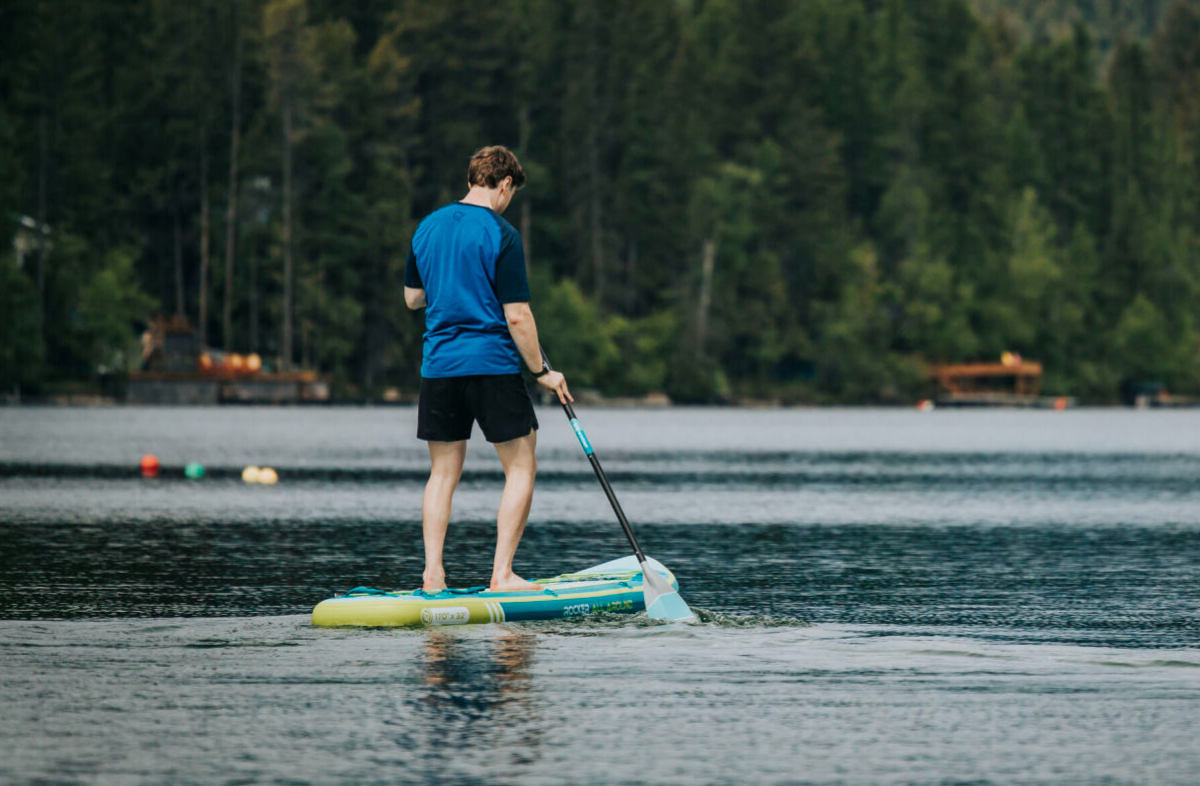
(614, 587)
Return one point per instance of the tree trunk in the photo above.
(707, 261)
(43, 164)
(631, 293)
(593, 153)
(202, 317)
(286, 360)
(377, 329)
(178, 232)
(231, 208)
(526, 220)
(305, 354)
(253, 296)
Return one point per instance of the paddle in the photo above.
(662, 601)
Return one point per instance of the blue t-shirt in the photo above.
(470, 262)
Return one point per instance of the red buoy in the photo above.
(149, 465)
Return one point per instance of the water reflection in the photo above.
(480, 691)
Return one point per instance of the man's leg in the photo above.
(445, 468)
(520, 470)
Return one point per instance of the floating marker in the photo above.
(149, 465)
(194, 471)
(925, 405)
(267, 476)
(251, 474)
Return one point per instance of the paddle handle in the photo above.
(599, 470)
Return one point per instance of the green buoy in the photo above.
(193, 471)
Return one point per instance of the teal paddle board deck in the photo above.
(612, 587)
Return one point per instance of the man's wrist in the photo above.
(545, 370)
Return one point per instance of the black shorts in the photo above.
(449, 405)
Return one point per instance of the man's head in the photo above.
(496, 169)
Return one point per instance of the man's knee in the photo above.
(522, 467)
(446, 473)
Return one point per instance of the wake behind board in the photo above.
(613, 587)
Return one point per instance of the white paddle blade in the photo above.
(662, 601)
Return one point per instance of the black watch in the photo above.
(545, 370)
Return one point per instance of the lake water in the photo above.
(887, 597)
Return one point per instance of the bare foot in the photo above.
(512, 583)
(433, 580)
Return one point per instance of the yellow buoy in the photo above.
(267, 476)
(252, 474)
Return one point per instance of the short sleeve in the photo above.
(512, 285)
(412, 276)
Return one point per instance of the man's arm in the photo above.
(524, 332)
(415, 298)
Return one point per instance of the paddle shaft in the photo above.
(599, 470)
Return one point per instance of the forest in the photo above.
(727, 200)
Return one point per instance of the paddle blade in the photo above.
(662, 601)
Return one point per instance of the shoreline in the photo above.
(89, 401)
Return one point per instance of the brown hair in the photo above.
(492, 164)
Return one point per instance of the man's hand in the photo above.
(558, 383)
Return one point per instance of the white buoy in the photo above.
(252, 474)
(267, 476)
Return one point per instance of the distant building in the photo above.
(28, 237)
(1013, 382)
(176, 370)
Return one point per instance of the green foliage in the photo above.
(98, 303)
(11, 165)
(934, 309)
(1111, 19)
(109, 301)
(728, 199)
(571, 326)
(20, 348)
(645, 345)
(855, 361)
(1142, 342)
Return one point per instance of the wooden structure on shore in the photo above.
(176, 370)
(225, 387)
(1015, 383)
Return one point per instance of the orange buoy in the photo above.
(253, 362)
(1060, 403)
(204, 362)
(149, 465)
(236, 362)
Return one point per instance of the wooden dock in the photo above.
(223, 387)
(1008, 384)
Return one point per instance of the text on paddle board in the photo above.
(580, 609)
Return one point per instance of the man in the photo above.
(467, 270)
